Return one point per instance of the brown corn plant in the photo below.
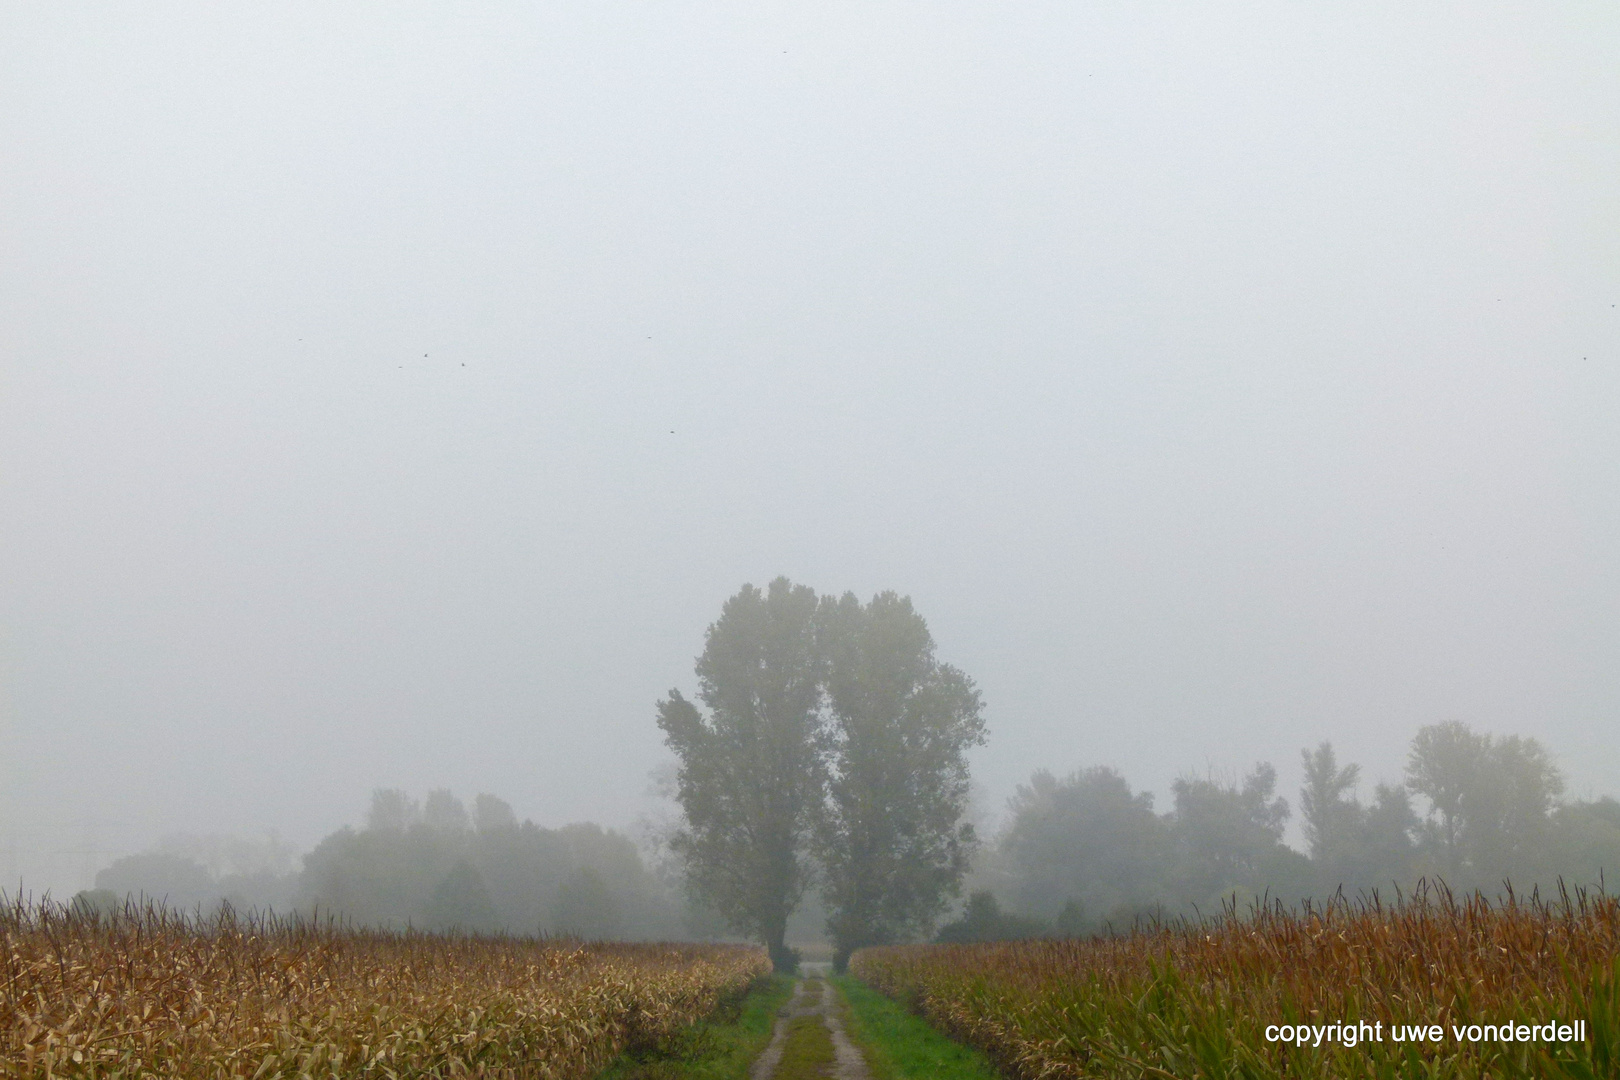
(1193, 999)
(153, 993)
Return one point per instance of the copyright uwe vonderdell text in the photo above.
(1355, 1034)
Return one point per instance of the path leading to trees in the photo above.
(810, 1035)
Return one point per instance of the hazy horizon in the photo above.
(390, 396)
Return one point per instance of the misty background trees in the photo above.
(1087, 840)
(432, 865)
(1085, 853)
(834, 746)
(441, 868)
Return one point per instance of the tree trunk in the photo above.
(784, 961)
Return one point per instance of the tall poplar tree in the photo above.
(890, 841)
(751, 771)
(1328, 803)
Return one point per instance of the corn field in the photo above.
(1196, 999)
(149, 993)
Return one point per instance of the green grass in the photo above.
(807, 1052)
(721, 1047)
(901, 1046)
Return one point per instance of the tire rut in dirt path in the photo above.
(811, 998)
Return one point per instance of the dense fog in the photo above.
(391, 397)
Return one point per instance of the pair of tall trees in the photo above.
(834, 746)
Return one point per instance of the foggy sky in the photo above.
(390, 396)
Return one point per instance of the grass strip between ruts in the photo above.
(721, 1047)
(902, 1046)
(807, 1052)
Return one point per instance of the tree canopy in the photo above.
(1491, 798)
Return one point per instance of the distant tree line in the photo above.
(187, 872)
(1085, 853)
(432, 865)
